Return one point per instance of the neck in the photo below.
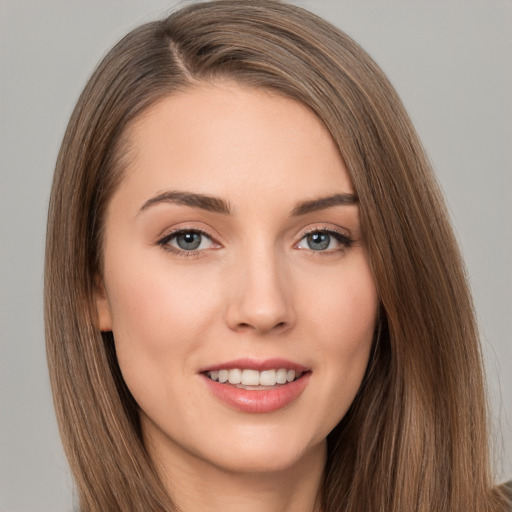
(196, 484)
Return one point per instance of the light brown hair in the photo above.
(415, 438)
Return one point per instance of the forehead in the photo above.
(223, 138)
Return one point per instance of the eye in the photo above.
(324, 241)
(187, 240)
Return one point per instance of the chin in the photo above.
(273, 458)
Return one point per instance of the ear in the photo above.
(102, 306)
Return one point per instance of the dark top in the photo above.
(507, 486)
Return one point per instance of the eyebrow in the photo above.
(218, 205)
(322, 203)
(208, 203)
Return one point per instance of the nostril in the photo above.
(244, 326)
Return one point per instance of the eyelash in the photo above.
(345, 241)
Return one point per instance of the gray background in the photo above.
(451, 61)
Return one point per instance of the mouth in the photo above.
(257, 386)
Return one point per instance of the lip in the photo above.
(258, 400)
(256, 364)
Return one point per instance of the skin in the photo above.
(255, 288)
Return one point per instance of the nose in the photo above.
(261, 294)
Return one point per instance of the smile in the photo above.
(253, 386)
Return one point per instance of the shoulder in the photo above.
(506, 489)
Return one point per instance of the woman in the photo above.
(266, 306)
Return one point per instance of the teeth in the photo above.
(280, 376)
(268, 378)
(254, 377)
(235, 376)
(249, 377)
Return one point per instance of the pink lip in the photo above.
(260, 400)
(256, 364)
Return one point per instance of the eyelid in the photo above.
(324, 228)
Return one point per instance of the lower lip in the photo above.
(260, 400)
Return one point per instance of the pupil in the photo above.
(189, 241)
(318, 241)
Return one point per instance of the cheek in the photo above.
(149, 300)
(355, 324)
(159, 316)
(344, 307)
(343, 321)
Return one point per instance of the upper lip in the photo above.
(256, 364)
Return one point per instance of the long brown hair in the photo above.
(415, 438)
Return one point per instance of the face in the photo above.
(235, 280)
